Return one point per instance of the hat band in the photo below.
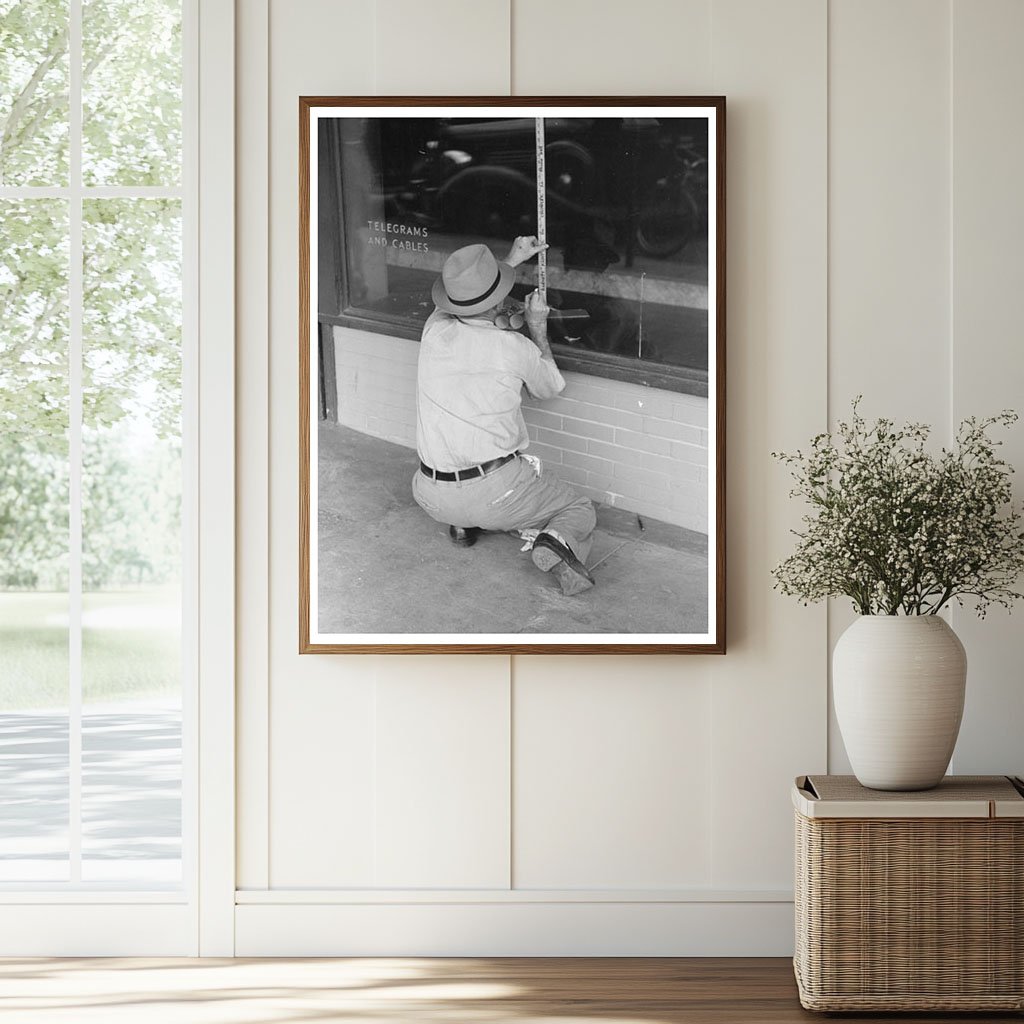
(480, 297)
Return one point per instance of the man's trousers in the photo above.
(513, 497)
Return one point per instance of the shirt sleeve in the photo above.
(541, 377)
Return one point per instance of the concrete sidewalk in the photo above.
(386, 567)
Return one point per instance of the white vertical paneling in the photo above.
(442, 48)
(442, 772)
(987, 363)
(578, 47)
(769, 692)
(322, 806)
(320, 757)
(612, 774)
(889, 249)
(216, 612)
(889, 208)
(252, 462)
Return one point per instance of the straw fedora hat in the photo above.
(471, 281)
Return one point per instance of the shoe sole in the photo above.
(572, 580)
(545, 559)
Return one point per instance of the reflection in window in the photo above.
(627, 221)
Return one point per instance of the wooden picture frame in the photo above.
(388, 187)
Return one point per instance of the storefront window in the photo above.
(627, 225)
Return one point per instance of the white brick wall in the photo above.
(377, 384)
(625, 445)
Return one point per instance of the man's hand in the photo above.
(523, 248)
(537, 323)
(537, 309)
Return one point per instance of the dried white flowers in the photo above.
(900, 530)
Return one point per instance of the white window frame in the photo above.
(197, 918)
(215, 279)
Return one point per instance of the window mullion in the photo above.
(75, 303)
(95, 191)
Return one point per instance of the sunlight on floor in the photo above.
(148, 991)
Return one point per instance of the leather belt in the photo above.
(467, 474)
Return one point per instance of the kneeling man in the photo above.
(470, 431)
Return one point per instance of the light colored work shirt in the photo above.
(469, 390)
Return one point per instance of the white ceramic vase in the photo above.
(898, 684)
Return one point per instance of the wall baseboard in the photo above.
(494, 928)
(99, 928)
(331, 897)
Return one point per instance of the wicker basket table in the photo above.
(910, 901)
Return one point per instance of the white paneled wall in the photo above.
(987, 366)
(768, 693)
(322, 778)
(889, 212)
(441, 48)
(441, 799)
(580, 48)
(611, 804)
(612, 782)
(888, 332)
(925, 223)
(318, 709)
(252, 464)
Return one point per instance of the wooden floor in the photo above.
(412, 991)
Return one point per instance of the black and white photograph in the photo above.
(512, 374)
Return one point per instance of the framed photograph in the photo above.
(512, 374)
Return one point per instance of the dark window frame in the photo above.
(333, 270)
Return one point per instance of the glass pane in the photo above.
(33, 92)
(131, 92)
(33, 540)
(131, 541)
(627, 220)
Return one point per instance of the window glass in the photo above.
(33, 92)
(112, 647)
(627, 223)
(34, 501)
(131, 541)
(131, 92)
